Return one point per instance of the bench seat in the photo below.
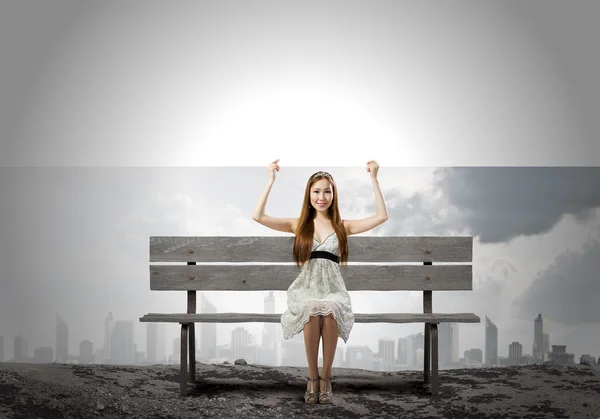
(275, 318)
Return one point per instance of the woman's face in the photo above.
(321, 192)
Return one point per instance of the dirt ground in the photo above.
(248, 391)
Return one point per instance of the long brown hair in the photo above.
(305, 229)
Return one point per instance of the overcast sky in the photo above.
(155, 83)
(78, 245)
(121, 120)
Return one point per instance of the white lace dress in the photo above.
(318, 290)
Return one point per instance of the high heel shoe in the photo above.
(326, 397)
(311, 397)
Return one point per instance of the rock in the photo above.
(99, 406)
(240, 361)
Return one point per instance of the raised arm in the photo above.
(381, 216)
(280, 224)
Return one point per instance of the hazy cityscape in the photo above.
(394, 354)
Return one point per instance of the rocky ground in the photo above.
(231, 391)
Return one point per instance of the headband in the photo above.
(322, 174)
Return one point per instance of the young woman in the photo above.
(318, 302)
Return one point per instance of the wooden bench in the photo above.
(192, 277)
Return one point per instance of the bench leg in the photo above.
(427, 354)
(427, 303)
(183, 376)
(192, 352)
(435, 384)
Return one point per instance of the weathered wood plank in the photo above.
(276, 318)
(279, 249)
(279, 277)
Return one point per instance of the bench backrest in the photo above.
(229, 270)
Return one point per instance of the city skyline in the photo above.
(243, 345)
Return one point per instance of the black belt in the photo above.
(325, 255)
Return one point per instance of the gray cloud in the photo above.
(567, 291)
(498, 203)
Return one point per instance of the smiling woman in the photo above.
(296, 121)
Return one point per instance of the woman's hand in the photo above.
(272, 168)
(373, 168)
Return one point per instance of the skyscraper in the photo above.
(176, 358)
(1, 348)
(268, 351)
(491, 342)
(208, 332)
(86, 352)
(540, 342)
(359, 357)
(448, 343)
(155, 343)
(269, 338)
(386, 353)
(515, 352)
(20, 350)
(62, 340)
(108, 326)
(415, 349)
(402, 352)
(121, 343)
(293, 353)
(241, 340)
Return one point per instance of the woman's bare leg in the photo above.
(312, 335)
(330, 338)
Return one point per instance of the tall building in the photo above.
(208, 332)
(491, 342)
(359, 357)
(515, 353)
(560, 356)
(293, 352)
(338, 358)
(243, 345)
(386, 353)
(155, 343)
(121, 343)
(540, 339)
(1, 348)
(62, 340)
(415, 349)
(86, 352)
(20, 350)
(474, 356)
(455, 353)
(108, 326)
(448, 343)
(269, 336)
(176, 357)
(267, 352)
(402, 351)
